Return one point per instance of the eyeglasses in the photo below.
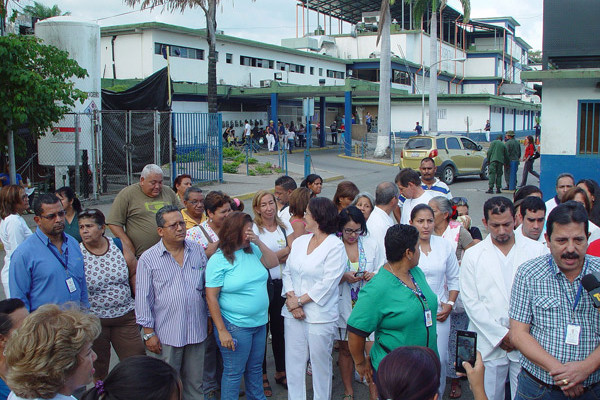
(196, 202)
(349, 231)
(460, 201)
(50, 217)
(174, 226)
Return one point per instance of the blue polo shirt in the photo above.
(39, 274)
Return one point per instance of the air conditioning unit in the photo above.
(265, 83)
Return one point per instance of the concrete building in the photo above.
(570, 77)
(255, 77)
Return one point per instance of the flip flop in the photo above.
(267, 389)
(455, 390)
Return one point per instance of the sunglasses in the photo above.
(460, 201)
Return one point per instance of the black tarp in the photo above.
(150, 94)
(128, 123)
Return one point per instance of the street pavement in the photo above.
(333, 169)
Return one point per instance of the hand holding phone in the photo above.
(466, 349)
(359, 274)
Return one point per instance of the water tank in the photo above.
(81, 39)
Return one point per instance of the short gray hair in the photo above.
(151, 169)
(160, 215)
(444, 205)
(367, 195)
(565, 175)
(385, 192)
(191, 189)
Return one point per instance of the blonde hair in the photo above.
(43, 353)
(256, 207)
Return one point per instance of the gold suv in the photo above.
(454, 156)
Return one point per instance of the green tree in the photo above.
(535, 56)
(42, 11)
(36, 89)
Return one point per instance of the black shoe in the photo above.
(505, 188)
(490, 191)
(498, 191)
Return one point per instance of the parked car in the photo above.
(454, 156)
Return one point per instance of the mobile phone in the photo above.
(466, 348)
(359, 274)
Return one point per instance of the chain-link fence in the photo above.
(102, 152)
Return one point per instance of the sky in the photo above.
(271, 20)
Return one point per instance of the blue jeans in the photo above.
(528, 389)
(246, 360)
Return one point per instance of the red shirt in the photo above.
(529, 150)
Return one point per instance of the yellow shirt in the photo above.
(189, 221)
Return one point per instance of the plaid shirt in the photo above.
(543, 298)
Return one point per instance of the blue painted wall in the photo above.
(553, 165)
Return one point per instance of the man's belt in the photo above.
(553, 387)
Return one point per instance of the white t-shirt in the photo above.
(247, 130)
(378, 224)
(13, 231)
(275, 241)
(284, 216)
(409, 204)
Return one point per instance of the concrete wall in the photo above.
(451, 117)
(560, 131)
(476, 88)
(481, 67)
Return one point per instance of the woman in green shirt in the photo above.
(72, 207)
(397, 304)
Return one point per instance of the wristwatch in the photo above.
(147, 336)
(451, 303)
(299, 302)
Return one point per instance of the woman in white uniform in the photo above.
(311, 280)
(365, 257)
(438, 262)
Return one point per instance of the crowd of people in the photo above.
(385, 281)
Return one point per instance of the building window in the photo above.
(283, 66)
(401, 77)
(256, 62)
(335, 74)
(441, 113)
(589, 124)
(320, 71)
(312, 70)
(229, 58)
(179, 51)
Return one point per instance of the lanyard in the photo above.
(64, 262)
(417, 292)
(579, 289)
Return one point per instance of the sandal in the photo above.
(267, 388)
(455, 389)
(282, 380)
(347, 396)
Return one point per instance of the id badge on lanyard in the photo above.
(428, 318)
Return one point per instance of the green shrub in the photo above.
(230, 152)
(231, 168)
(252, 160)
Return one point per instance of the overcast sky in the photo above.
(271, 20)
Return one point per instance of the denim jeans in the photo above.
(528, 389)
(246, 360)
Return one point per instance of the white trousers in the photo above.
(5, 279)
(304, 340)
(496, 372)
(443, 335)
(270, 142)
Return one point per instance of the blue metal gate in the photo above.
(199, 146)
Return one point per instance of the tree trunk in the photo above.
(385, 77)
(433, 107)
(211, 37)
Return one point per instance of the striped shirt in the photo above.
(543, 298)
(170, 298)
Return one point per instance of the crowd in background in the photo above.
(386, 280)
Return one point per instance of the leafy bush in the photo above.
(231, 168)
(252, 160)
(230, 152)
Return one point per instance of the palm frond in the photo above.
(466, 6)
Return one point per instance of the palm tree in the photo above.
(385, 77)
(419, 9)
(210, 11)
(41, 11)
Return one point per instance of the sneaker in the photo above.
(498, 191)
(490, 191)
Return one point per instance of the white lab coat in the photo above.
(484, 294)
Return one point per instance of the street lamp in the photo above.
(460, 59)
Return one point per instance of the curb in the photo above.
(248, 196)
(389, 164)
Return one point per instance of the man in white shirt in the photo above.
(533, 215)
(486, 277)
(409, 183)
(247, 130)
(386, 200)
(284, 186)
(429, 182)
(564, 182)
